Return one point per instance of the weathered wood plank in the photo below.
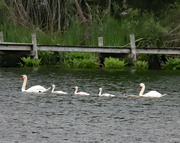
(15, 44)
(165, 51)
(84, 49)
(35, 48)
(15, 48)
(133, 47)
(96, 49)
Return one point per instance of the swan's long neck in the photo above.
(76, 89)
(100, 92)
(53, 89)
(142, 90)
(124, 95)
(24, 84)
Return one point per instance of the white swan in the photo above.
(105, 94)
(129, 96)
(36, 88)
(79, 93)
(149, 94)
(57, 92)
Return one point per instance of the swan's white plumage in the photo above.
(57, 92)
(80, 93)
(35, 89)
(149, 94)
(105, 94)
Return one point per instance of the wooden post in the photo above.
(1, 37)
(100, 41)
(35, 48)
(133, 47)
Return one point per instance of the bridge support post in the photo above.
(100, 41)
(100, 55)
(35, 48)
(133, 47)
(1, 37)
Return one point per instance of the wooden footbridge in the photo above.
(131, 51)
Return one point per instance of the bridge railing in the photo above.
(130, 49)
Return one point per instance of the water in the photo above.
(50, 118)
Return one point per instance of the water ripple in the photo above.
(46, 117)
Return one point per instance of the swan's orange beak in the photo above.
(139, 86)
(21, 77)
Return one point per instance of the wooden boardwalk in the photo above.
(131, 50)
(5, 46)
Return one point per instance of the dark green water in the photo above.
(51, 118)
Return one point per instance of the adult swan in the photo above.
(35, 89)
(149, 94)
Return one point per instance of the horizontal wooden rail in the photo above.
(4, 46)
(92, 49)
(166, 51)
(131, 51)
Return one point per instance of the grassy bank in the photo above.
(154, 30)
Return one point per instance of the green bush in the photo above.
(80, 60)
(141, 65)
(112, 63)
(29, 62)
(50, 58)
(172, 64)
(85, 63)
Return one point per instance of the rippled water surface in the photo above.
(51, 118)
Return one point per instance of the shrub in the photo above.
(112, 63)
(29, 62)
(50, 58)
(172, 64)
(80, 60)
(85, 63)
(141, 65)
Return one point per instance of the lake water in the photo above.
(51, 118)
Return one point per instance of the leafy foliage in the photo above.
(29, 62)
(112, 63)
(172, 64)
(85, 63)
(80, 60)
(150, 20)
(141, 65)
(50, 58)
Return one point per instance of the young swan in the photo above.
(57, 92)
(105, 94)
(35, 89)
(80, 93)
(129, 96)
(149, 94)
